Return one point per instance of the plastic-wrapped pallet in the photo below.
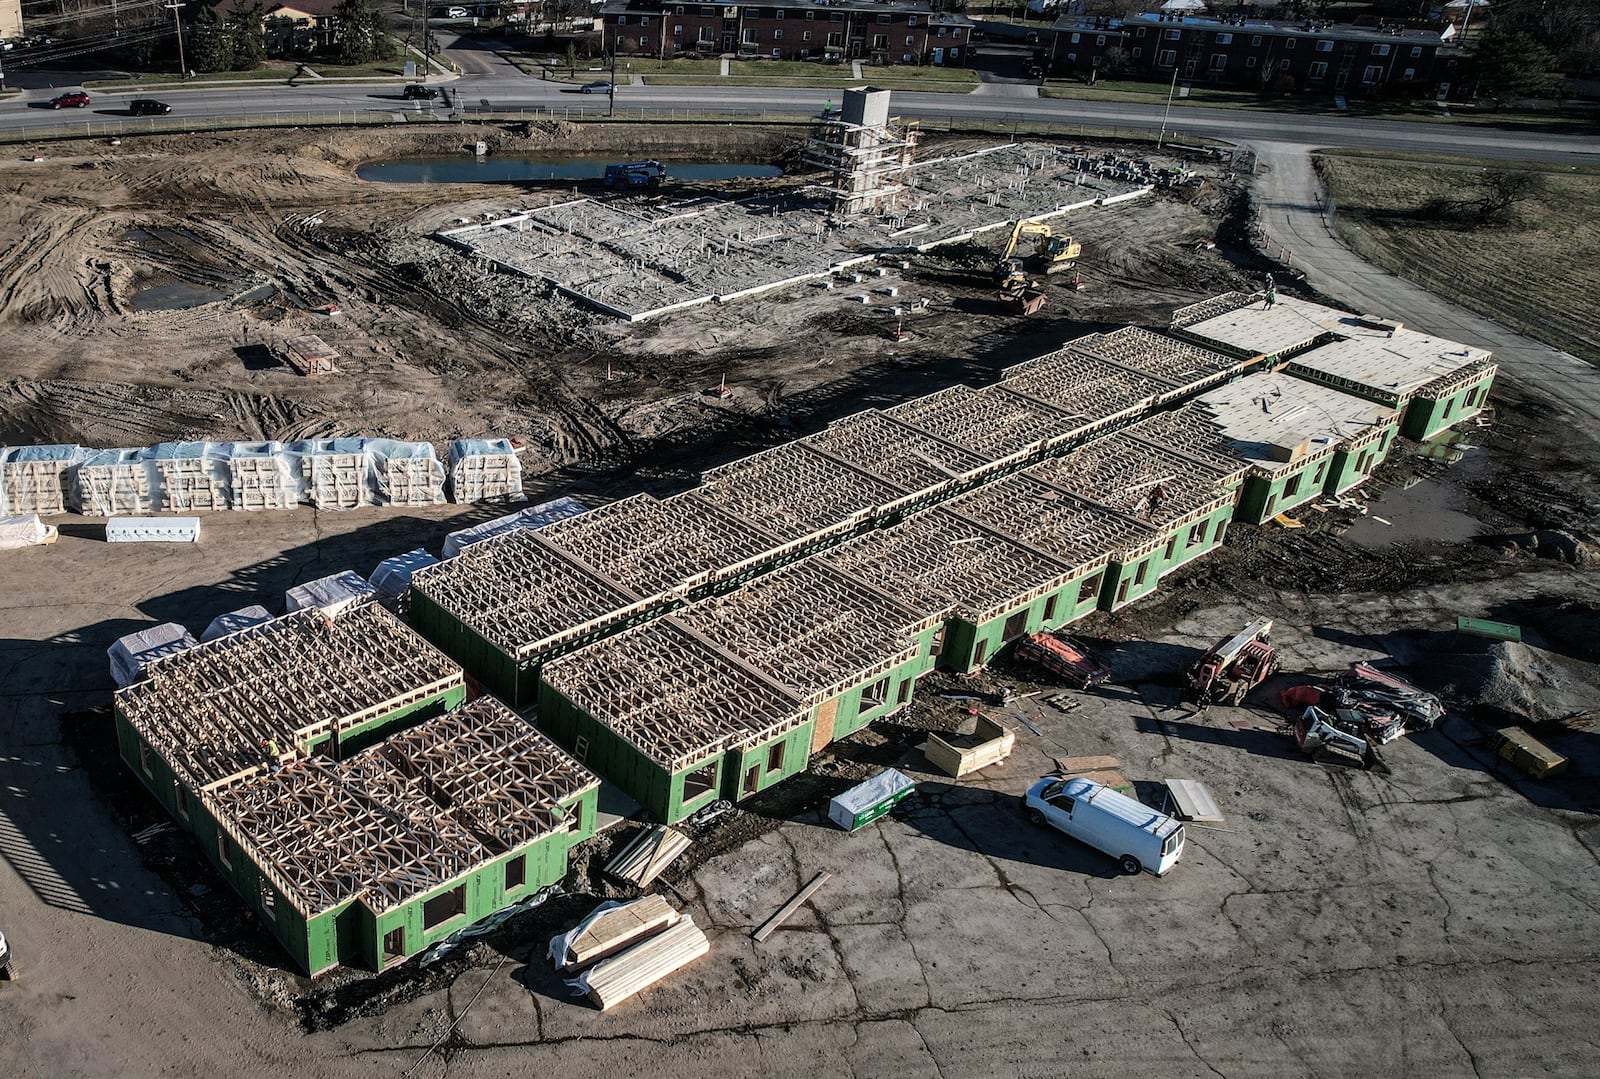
(194, 475)
(111, 482)
(392, 578)
(234, 621)
(333, 594)
(33, 479)
(153, 530)
(25, 530)
(535, 517)
(262, 475)
(408, 473)
(484, 470)
(337, 473)
(130, 655)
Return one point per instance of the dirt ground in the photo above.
(1434, 920)
(274, 227)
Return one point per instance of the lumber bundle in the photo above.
(648, 856)
(620, 977)
(109, 482)
(33, 479)
(609, 929)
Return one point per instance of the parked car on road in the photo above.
(417, 92)
(456, 13)
(7, 969)
(599, 86)
(72, 99)
(1135, 835)
(145, 106)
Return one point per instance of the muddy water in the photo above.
(501, 170)
(164, 293)
(1431, 511)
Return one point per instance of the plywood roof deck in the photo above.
(407, 816)
(1047, 517)
(1395, 364)
(1158, 485)
(816, 630)
(797, 492)
(672, 694)
(995, 422)
(1285, 327)
(212, 711)
(942, 563)
(908, 457)
(653, 547)
(1274, 420)
(523, 594)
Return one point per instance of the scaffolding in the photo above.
(864, 151)
(797, 492)
(815, 629)
(911, 459)
(655, 548)
(673, 695)
(215, 712)
(522, 594)
(945, 564)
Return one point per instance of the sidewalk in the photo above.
(1286, 190)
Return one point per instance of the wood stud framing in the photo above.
(908, 457)
(1046, 517)
(797, 492)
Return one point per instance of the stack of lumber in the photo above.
(648, 856)
(641, 966)
(610, 929)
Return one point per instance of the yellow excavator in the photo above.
(1050, 254)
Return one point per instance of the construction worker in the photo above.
(1272, 291)
(1158, 495)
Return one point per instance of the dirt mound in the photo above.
(1509, 681)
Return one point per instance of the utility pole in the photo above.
(611, 92)
(1174, 89)
(177, 26)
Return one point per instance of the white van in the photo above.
(1092, 813)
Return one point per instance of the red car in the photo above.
(72, 99)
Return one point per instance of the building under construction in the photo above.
(863, 151)
(275, 747)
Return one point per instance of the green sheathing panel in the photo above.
(967, 647)
(1427, 416)
(1182, 543)
(679, 807)
(377, 729)
(1265, 497)
(504, 676)
(851, 716)
(1354, 466)
(1079, 596)
(1131, 581)
(793, 751)
(596, 746)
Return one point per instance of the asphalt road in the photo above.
(993, 102)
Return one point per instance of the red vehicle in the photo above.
(1235, 666)
(1065, 658)
(72, 99)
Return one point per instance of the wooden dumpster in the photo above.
(990, 743)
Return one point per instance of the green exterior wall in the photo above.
(968, 646)
(1425, 417)
(1353, 467)
(795, 753)
(1182, 543)
(1262, 498)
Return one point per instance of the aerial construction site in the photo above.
(554, 625)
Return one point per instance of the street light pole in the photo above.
(1168, 111)
(611, 88)
(177, 27)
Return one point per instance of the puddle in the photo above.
(1425, 512)
(503, 170)
(175, 294)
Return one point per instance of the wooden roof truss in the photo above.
(813, 628)
(797, 492)
(1211, 308)
(675, 696)
(213, 711)
(1051, 519)
(1139, 479)
(661, 548)
(996, 422)
(524, 594)
(912, 459)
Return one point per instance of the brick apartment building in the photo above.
(889, 32)
(1311, 56)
